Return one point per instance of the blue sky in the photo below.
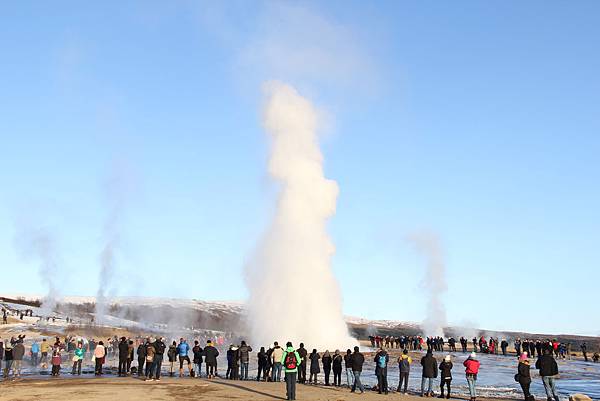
(477, 121)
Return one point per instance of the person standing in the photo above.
(150, 356)
(99, 355)
(263, 361)
(445, 376)
(583, 347)
(159, 347)
(381, 361)
(337, 368)
(404, 362)
(18, 354)
(358, 360)
(77, 359)
(35, 352)
(130, 355)
(123, 353)
(210, 358)
(524, 375)
(56, 361)
(348, 366)
(472, 365)
(182, 351)
(172, 356)
(326, 361)
(290, 360)
(1, 353)
(302, 369)
(276, 358)
(8, 358)
(430, 368)
(314, 366)
(44, 349)
(548, 370)
(245, 351)
(197, 351)
(141, 358)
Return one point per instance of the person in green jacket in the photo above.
(290, 361)
(77, 359)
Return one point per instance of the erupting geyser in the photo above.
(434, 282)
(293, 292)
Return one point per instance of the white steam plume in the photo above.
(293, 293)
(40, 243)
(118, 189)
(434, 282)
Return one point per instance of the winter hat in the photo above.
(447, 358)
(473, 355)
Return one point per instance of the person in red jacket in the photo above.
(472, 369)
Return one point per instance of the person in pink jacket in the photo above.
(471, 370)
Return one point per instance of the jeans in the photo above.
(34, 358)
(428, 380)
(198, 368)
(357, 382)
(276, 375)
(290, 385)
(403, 381)
(471, 383)
(244, 372)
(141, 362)
(382, 383)
(550, 387)
(350, 377)
(156, 366)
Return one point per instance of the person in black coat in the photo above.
(303, 353)
(123, 354)
(358, 360)
(337, 368)
(314, 366)
(430, 368)
(548, 370)
(524, 376)
(210, 358)
(141, 357)
(197, 351)
(445, 376)
(263, 362)
(326, 360)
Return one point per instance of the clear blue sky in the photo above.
(476, 120)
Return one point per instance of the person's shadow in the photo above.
(240, 387)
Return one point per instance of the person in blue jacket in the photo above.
(182, 350)
(35, 351)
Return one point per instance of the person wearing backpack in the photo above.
(404, 362)
(381, 361)
(290, 361)
(430, 367)
(358, 360)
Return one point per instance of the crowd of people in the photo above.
(294, 365)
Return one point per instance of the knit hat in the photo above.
(473, 355)
(447, 358)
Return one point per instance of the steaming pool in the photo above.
(495, 379)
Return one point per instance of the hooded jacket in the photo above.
(290, 351)
(245, 353)
(210, 355)
(472, 366)
(430, 366)
(547, 365)
(446, 370)
(358, 360)
(404, 363)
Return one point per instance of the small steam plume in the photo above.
(434, 282)
(118, 189)
(39, 243)
(293, 293)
